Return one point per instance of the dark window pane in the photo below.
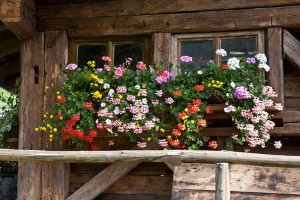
(91, 53)
(200, 51)
(123, 51)
(240, 47)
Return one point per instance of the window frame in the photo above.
(217, 38)
(109, 41)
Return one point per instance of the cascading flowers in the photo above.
(151, 105)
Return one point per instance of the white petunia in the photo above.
(199, 72)
(233, 63)
(144, 101)
(103, 104)
(111, 92)
(117, 110)
(232, 84)
(221, 52)
(108, 121)
(137, 87)
(261, 57)
(106, 85)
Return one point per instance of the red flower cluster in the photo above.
(199, 88)
(224, 67)
(213, 144)
(177, 93)
(88, 105)
(61, 99)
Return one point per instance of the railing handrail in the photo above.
(148, 156)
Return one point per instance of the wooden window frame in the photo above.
(109, 41)
(216, 37)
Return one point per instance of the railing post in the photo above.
(222, 191)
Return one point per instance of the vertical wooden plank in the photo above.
(275, 54)
(31, 107)
(222, 181)
(162, 48)
(55, 179)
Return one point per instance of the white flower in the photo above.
(232, 84)
(111, 91)
(264, 66)
(199, 72)
(106, 85)
(101, 81)
(103, 104)
(108, 121)
(277, 144)
(233, 63)
(116, 110)
(261, 57)
(144, 101)
(137, 87)
(221, 52)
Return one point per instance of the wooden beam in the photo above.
(103, 181)
(31, 104)
(20, 17)
(227, 20)
(275, 55)
(144, 7)
(147, 156)
(10, 10)
(291, 47)
(222, 182)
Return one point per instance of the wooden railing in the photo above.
(221, 158)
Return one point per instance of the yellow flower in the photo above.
(162, 130)
(48, 125)
(156, 128)
(120, 96)
(169, 136)
(149, 138)
(192, 121)
(51, 116)
(91, 63)
(144, 85)
(58, 97)
(45, 116)
(97, 95)
(51, 135)
(50, 139)
(95, 77)
(52, 84)
(186, 109)
(36, 129)
(57, 92)
(209, 84)
(165, 148)
(47, 87)
(54, 129)
(138, 94)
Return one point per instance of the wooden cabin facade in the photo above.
(50, 34)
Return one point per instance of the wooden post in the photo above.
(222, 181)
(31, 105)
(162, 48)
(275, 54)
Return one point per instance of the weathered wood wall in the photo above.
(161, 18)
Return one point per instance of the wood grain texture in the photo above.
(222, 191)
(275, 57)
(20, 17)
(291, 47)
(245, 178)
(31, 104)
(292, 87)
(106, 178)
(227, 20)
(60, 10)
(192, 181)
(55, 176)
(148, 156)
(162, 49)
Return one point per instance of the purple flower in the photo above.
(211, 61)
(250, 60)
(164, 76)
(151, 69)
(71, 66)
(186, 59)
(241, 92)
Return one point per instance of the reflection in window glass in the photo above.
(200, 51)
(91, 53)
(240, 47)
(123, 51)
